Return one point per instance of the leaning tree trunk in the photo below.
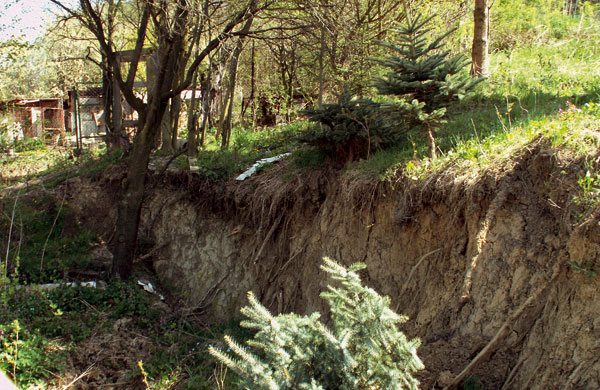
(129, 205)
(480, 53)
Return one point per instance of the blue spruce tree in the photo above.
(423, 77)
(362, 350)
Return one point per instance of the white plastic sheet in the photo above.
(252, 170)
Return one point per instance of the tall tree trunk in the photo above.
(192, 116)
(129, 205)
(226, 129)
(207, 97)
(175, 111)
(163, 138)
(252, 99)
(166, 132)
(192, 122)
(480, 66)
(321, 66)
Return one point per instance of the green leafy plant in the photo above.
(23, 354)
(589, 268)
(589, 185)
(43, 228)
(363, 348)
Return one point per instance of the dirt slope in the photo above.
(458, 253)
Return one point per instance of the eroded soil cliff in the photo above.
(459, 253)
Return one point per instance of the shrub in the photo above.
(350, 129)
(362, 350)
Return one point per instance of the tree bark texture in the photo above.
(232, 81)
(480, 52)
(570, 7)
(192, 121)
(129, 205)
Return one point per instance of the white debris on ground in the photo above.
(193, 164)
(52, 286)
(148, 287)
(252, 170)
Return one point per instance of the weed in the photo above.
(89, 165)
(45, 325)
(589, 268)
(589, 189)
(180, 352)
(248, 147)
(41, 228)
(144, 374)
(26, 356)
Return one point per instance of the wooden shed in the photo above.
(38, 117)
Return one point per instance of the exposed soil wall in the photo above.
(456, 253)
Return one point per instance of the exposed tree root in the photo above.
(496, 203)
(267, 237)
(504, 329)
(414, 268)
(512, 373)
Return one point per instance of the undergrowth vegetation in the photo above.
(45, 323)
(44, 330)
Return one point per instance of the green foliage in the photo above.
(47, 66)
(422, 77)
(349, 129)
(518, 23)
(589, 187)
(28, 144)
(589, 268)
(248, 146)
(11, 138)
(179, 353)
(46, 324)
(52, 323)
(363, 348)
(524, 98)
(26, 356)
(42, 228)
(312, 157)
(90, 164)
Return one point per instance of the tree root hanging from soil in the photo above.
(512, 373)
(269, 234)
(497, 202)
(414, 269)
(503, 331)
